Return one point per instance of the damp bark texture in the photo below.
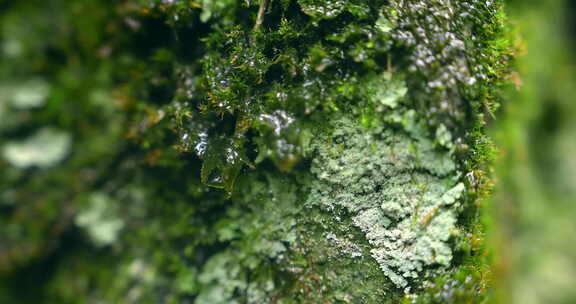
(273, 151)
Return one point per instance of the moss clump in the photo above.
(453, 54)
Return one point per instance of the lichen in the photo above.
(226, 152)
(405, 205)
(99, 220)
(45, 148)
(29, 94)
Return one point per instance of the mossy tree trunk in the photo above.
(274, 151)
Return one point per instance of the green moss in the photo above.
(308, 159)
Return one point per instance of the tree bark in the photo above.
(239, 152)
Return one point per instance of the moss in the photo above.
(308, 159)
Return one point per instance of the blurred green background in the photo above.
(534, 224)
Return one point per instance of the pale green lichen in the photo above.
(220, 278)
(378, 210)
(402, 201)
(30, 94)
(254, 110)
(258, 228)
(444, 137)
(99, 220)
(44, 149)
(387, 91)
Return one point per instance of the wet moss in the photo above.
(252, 152)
